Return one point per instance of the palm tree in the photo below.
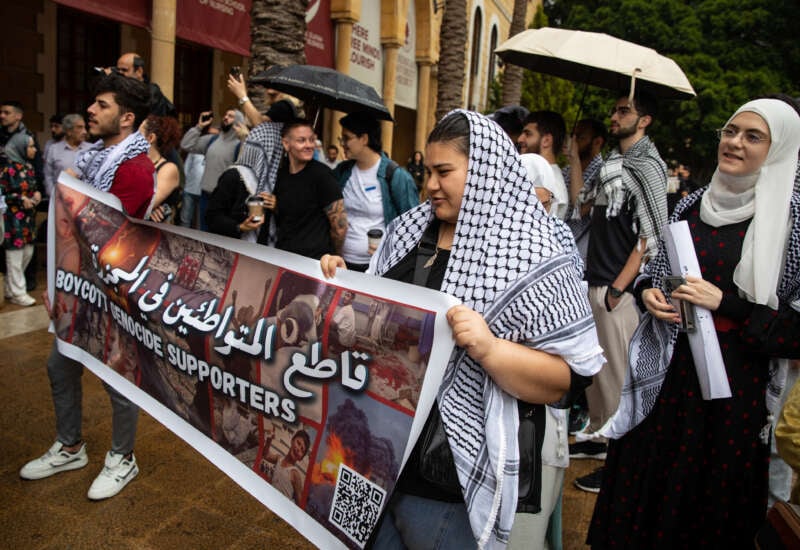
(277, 30)
(512, 74)
(452, 57)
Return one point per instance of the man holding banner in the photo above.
(118, 164)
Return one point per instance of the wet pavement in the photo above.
(178, 500)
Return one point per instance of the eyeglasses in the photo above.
(345, 139)
(750, 136)
(623, 110)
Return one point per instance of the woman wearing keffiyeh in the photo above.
(689, 473)
(523, 330)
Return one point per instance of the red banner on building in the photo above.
(319, 34)
(221, 24)
(132, 12)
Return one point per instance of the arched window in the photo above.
(493, 60)
(475, 61)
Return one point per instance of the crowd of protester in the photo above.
(600, 351)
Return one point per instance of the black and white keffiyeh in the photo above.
(98, 165)
(262, 152)
(776, 210)
(519, 267)
(653, 342)
(639, 175)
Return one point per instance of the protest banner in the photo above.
(308, 392)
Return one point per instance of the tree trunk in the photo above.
(512, 74)
(452, 57)
(277, 30)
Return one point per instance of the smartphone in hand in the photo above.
(685, 309)
(207, 117)
(236, 71)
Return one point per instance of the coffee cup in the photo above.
(255, 208)
(374, 237)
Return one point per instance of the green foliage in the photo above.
(731, 51)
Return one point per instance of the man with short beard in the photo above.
(630, 211)
(116, 163)
(220, 151)
(11, 114)
(56, 134)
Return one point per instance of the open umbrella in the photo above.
(324, 87)
(596, 59)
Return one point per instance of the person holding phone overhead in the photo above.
(220, 151)
(680, 471)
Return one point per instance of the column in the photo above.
(423, 103)
(162, 51)
(390, 51)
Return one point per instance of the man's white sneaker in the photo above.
(23, 300)
(117, 472)
(55, 460)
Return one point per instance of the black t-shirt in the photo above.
(302, 224)
(611, 242)
(410, 482)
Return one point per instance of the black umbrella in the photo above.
(324, 87)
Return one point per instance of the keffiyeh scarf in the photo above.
(638, 176)
(519, 268)
(770, 259)
(262, 152)
(653, 341)
(98, 165)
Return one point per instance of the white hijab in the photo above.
(540, 174)
(764, 196)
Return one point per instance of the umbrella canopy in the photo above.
(324, 87)
(597, 59)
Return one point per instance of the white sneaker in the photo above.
(23, 300)
(55, 460)
(116, 474)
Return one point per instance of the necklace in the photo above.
(432, 259)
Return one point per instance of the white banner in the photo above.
(309, 393)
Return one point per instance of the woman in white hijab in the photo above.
(687, 472)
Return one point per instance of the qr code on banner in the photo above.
(356, 506)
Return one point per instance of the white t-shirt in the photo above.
(364, 207)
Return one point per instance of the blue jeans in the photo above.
(204, 197)
(423, 524)
(189, 205)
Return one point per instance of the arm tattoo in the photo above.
(338, 220)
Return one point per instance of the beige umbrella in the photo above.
(597, 59)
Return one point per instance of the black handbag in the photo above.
(436, 465)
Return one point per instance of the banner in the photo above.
(366, 51)
(319, 34)
(220, 24)
(132, 12)
(301, 389)
(406, 83)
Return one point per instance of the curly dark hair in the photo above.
(167, 131)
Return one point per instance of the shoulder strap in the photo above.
(210, 141)
(389, 174)
(425, 251)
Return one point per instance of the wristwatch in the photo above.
(243, 100)
(615, 292)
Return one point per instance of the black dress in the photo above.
(694, 473)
